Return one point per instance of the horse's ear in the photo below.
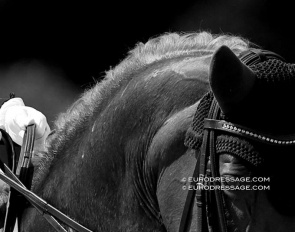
(231, 81)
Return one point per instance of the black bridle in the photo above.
(210, 204)
(17, 176)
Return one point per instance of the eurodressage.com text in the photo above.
(226, 179)
(231, 183)
(226, 187)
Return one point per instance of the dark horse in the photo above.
(117, 160)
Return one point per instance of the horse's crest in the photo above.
(117, 160)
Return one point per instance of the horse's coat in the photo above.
(102, 178)
(117, 159)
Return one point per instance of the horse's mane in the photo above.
(166, 46)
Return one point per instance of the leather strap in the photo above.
(189, 199)
(49, 218)
(215, 169)
(21, 172)
(40, 204)
(9, 220)
(221, 125)
(254, 56)
(26, 154)
(19, 185)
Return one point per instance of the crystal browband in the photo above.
(222, 125)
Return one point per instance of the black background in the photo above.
(65, 45)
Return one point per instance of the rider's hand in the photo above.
(15, 116)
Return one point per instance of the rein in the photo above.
(19, 181)
(23, 166)
(207, 155)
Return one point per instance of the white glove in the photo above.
(12, 102)
(15, 116)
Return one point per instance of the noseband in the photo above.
(210, 203)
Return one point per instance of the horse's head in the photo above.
(123, 140)
(258, 98)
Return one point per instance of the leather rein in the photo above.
(19, 181)
(210, 203)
